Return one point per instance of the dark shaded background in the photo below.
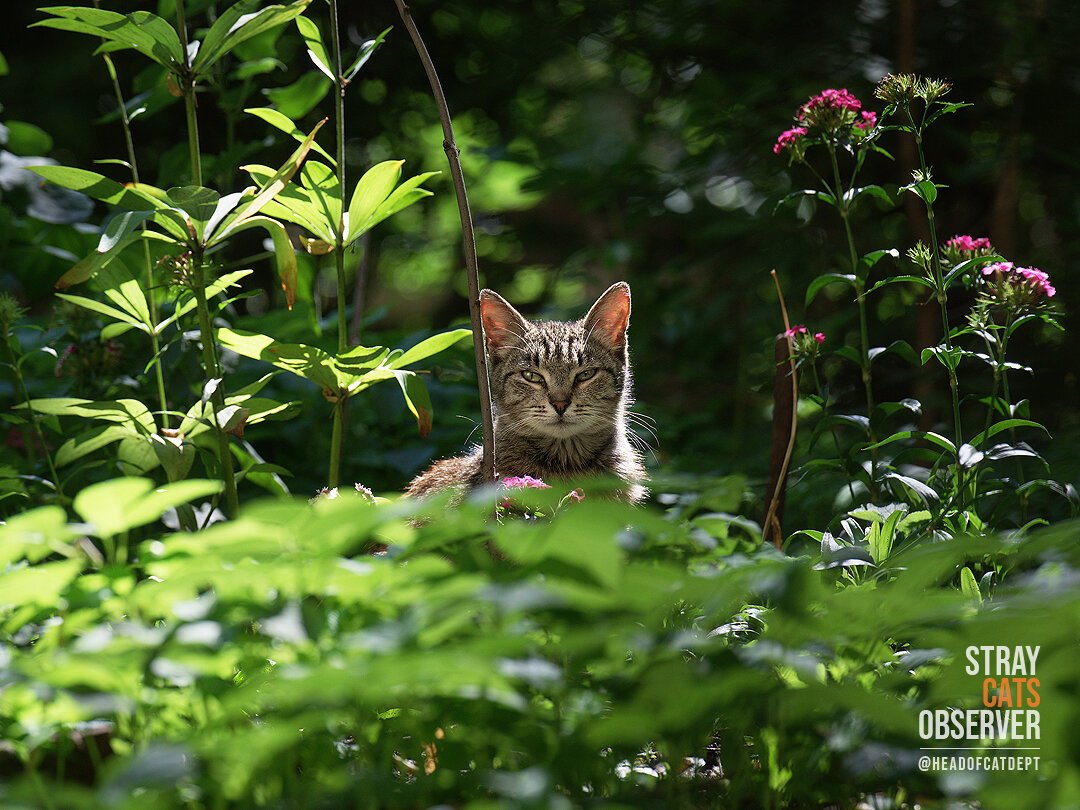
(608, 141)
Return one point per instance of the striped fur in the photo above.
(581, 368)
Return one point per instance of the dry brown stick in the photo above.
(468, 238)
(778, 472)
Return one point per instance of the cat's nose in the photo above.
(559, 405)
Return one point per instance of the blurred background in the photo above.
(601, 141)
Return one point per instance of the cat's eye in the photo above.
(587, 374)
(532, 376)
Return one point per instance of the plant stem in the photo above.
(198, 287)
(941, 294)
(187, 86)
(864, 334)
(213, 372)
(148, 290)
(338, 434)
(21, 383)
(453, 156)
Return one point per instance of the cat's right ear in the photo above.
(503, 325)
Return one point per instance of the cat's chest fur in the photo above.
(560, 393)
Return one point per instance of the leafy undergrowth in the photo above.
(604, 656)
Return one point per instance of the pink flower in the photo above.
(798, 329)
(869, 120)
(1031, 280)
(1001, 268)
(576, 495)
(819, 337)
(788, 138)
(830, 99)
(968, 243)
(1039, 281)
(524, 482)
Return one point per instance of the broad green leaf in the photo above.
(140, 30)
(102, 309)
(119, 227)
(99, 187)
(968, 586)
(123, 411)
(315, 48)
(402, 197)
(90, 441)
(286, 125)
(199, 202)
(966, 265)
(365, 54)
(273, 186)
(429, 347)
(240, 22)
(321, 184)
(885, 282)
(40, 584)
(294, 204)
(370, 192)
(302, 96)
(34, 535)
(823, 281)
(27, 139)
(175, 455)
(187, 302)
(416, 399)
(284, 255)
(121, 504)
(309, 362)
(225, 206)
(926, 435)
(1006, 424)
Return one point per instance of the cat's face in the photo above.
(556, 379)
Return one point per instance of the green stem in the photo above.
(213, 372)
(338, 435)
(835, 435)
(21, 383)
(864, 332)
(148, 290)
(187, 87)
(336, 440)
(941, 295)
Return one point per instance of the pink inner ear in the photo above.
(500, 326)
(610, 317)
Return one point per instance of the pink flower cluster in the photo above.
(968, 243)
(787, 138)
(869, 120)
(1032, 278)
(524, 482)
(799, 329)
(830, 99)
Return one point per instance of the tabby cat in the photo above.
(560, 393)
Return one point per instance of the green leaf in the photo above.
(416, 399)
(853, 194)
(199, 202)
(946, 108)
(280, 121)
(27, 139)
(90, 441)
(823, 281)
(284, 255)
(101, 309)
(121, 504)
(321, 184)
(302, 96)
(241, 22)
(922, 282)
(309, 362)
(925, 493)
(271, 188)
(295, 204)
(99, 187)
(370, 192)
(926, 435)
(40, 584)
(219, 285)
(969, 587)
(402, 197)
(365, 54)
(429, 347)
(315, 48)
(1006, 424)
(948, 357)
(966, 265)
(145, 32)
(123, 411)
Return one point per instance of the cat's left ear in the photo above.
(610, 316)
